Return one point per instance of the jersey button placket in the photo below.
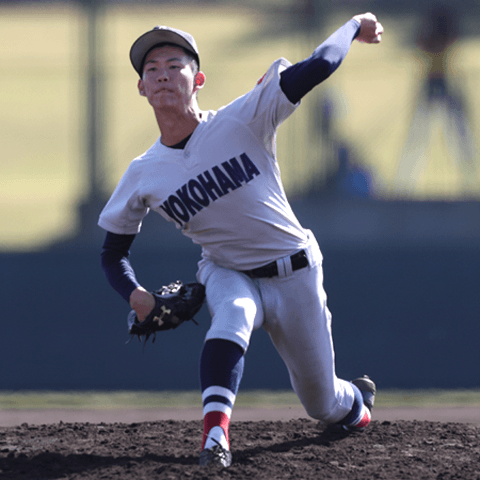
(189, 159)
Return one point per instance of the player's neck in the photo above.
(174, 127)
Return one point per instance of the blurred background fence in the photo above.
(380, 161)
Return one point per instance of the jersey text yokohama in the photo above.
(223, 190)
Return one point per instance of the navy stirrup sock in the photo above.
(221, 369)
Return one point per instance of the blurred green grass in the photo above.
(249, 398)
(42, 67)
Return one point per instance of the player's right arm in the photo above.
(297, 80)
(121, 276)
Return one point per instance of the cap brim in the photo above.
(148, 40)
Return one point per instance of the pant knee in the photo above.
(235, 322)
(327, 410)
(324, 415)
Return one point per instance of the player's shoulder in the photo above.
(154, 152)
(270, 78)
(151, 155)
(275, 69)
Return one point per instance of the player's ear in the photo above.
(199, 80)
(141, 88)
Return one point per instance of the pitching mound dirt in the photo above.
(294, 449)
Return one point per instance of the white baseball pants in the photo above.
(292, 308)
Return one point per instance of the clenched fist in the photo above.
(370, 29)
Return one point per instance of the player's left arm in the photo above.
(121, 275)
(297, 80)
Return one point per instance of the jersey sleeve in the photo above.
(124, 212)
(265, 107)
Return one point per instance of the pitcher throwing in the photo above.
(215, 175)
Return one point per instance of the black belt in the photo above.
(299, 260)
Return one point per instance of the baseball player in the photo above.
(215, 175)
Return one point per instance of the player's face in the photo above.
(169, 81)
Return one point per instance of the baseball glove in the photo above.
(174, 304)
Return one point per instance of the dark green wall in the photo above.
(409, 317)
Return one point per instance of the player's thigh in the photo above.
(234, 303)
(299, 322)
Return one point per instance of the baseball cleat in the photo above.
(215, 455)
(367, 389)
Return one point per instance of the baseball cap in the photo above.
(160, 34)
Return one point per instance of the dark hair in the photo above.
(189, 54)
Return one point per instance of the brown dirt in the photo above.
(266, 444)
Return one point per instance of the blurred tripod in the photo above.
(441, 108)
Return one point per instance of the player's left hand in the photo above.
(174, 304)
(370, 28)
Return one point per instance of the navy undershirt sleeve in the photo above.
(116, 265)
(298, 79)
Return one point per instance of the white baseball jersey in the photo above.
(223, 190)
